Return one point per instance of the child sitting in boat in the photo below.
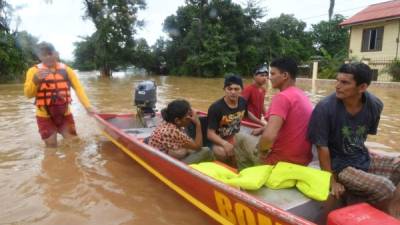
(170, 137)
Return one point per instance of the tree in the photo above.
(254, 10)
(16, 48)
(331, 7)
(329, 65)
(215, 37)
(330, 41)
(26, 44)
(15, 55)
(5, 11)
(205, 38)
(115, 22)
(331, 36)
(159, 60)
(286, 36)
(85, 54)
(249, 41)
(218, 56)
(393, 69)
(145, 58)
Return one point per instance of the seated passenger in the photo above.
(224, 117)
(339, 127)
(170, 137)
(284, 137)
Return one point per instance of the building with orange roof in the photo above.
(374, 35)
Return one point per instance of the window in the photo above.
(372, 39)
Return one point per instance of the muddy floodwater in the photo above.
(89, 181)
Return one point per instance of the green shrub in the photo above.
(394, 70)
(330, 64)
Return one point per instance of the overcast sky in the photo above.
(61, 22)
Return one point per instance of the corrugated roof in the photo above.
(379, 11)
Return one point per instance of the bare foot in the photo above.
(394, 205)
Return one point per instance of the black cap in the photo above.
(261, 69)
(233, 79)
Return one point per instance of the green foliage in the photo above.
(331, 7)
(16, 55)
(202, 42)
(205, 38)
(26, 43)
(113, 41)
(249, 41)
(145, 58)
(10, 58)
(16, 48)
(160, 58)
(330, 41)
(394, 70)
(330, 36)
(329, 65)
(217, 56)
(85, 54)
(285, 36)
(5, 16)
(254, 11)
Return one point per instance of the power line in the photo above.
(345, 10)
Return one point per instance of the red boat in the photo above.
(223, 203)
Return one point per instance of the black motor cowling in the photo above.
(146, 96)
(145, 102)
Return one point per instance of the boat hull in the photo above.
(224, 204)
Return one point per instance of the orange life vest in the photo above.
(55, 88)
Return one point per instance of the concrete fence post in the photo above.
(314, 77)
(315, 71)
(269, 80)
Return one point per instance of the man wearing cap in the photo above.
(224, 117)
(254, 94)
(50, 83)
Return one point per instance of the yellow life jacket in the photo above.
(215, 171)
(251, 178)
(55, 86)
(311, 182)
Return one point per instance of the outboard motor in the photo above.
(145, 102)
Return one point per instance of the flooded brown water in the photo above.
(89, 181)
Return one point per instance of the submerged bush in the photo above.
(394, 70)
(330, 64)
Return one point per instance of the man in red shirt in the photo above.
(254, 94)
(288, 115)
(284, 137)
